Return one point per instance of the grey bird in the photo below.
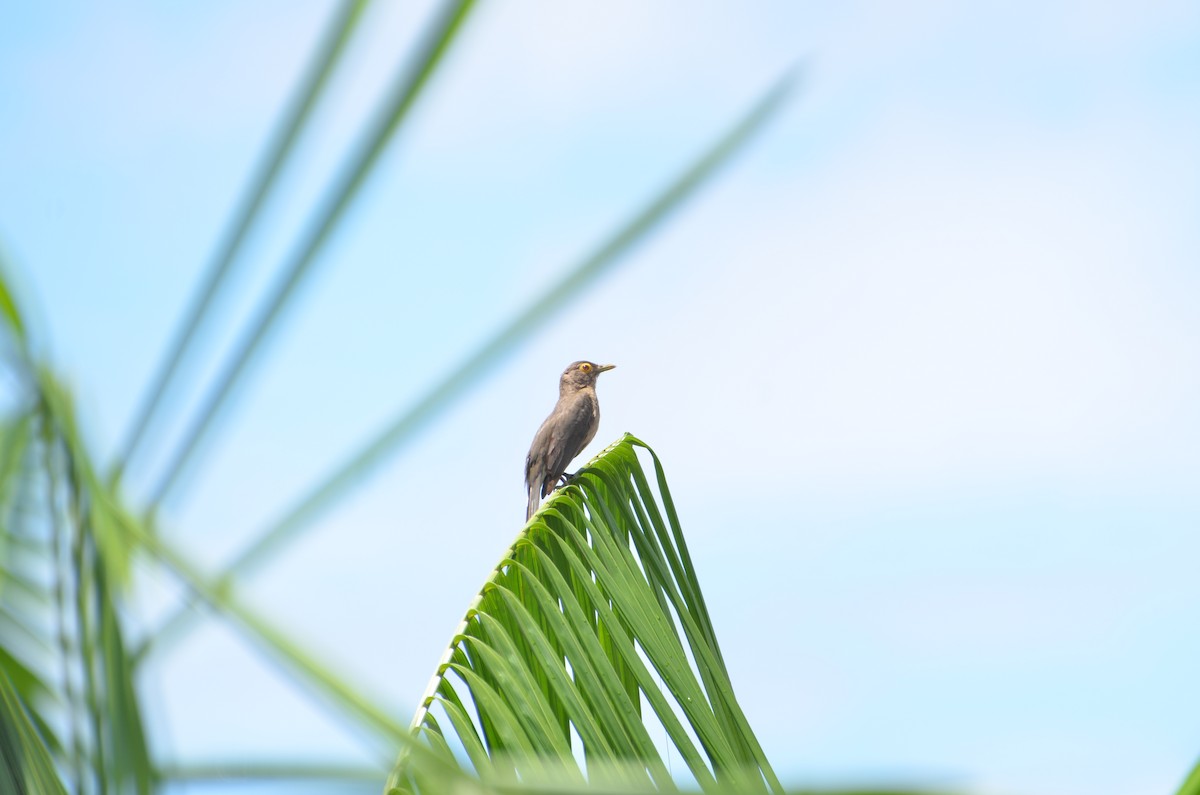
(565, 432)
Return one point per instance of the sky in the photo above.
(920, 364)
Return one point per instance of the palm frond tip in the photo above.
(593, 615)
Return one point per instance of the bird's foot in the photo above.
(565, 479)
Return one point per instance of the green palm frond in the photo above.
(1191, 785)
(593, 615)
(26, 766)
(64, 562)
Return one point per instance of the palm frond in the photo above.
(325, 59)
(593, 615)
(63, 567)
(1191, 785)
(403, 95)
(26, 765)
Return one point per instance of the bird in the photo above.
(565, 432)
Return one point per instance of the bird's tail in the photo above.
(534, 501)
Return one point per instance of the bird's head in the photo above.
(580, 375)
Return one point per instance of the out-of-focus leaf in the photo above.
(26, 764)
(407, 87)
(105, 516)
(26, 640)
(317, 677)
(14, 442)
(29, 686)
(132, 769)
(1191, 786)
(303, 771)
(325, 60)
(9, 311)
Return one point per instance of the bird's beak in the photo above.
(600, 368)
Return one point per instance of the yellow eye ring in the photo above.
(585, 367)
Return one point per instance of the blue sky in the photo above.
(943, 311)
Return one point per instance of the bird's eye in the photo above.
(585, 367)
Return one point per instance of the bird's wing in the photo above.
(535, 464)
(570, 431)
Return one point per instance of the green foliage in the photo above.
(1191, 786)
(594, 614)
(26, 766)
(65, 560)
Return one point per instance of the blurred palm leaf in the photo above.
(402, 96)
(26, 766)
(593, 614)
(1191, 785)
(64, 559)
(337, 35)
